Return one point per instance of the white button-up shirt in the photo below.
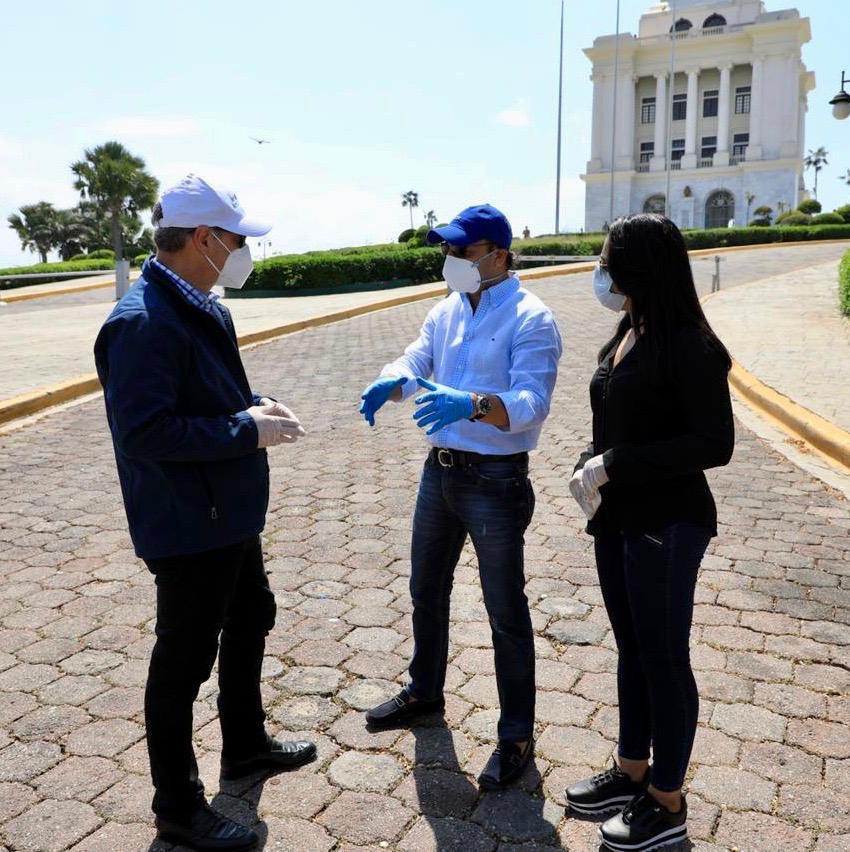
(510, 347)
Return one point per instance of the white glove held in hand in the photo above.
(585, 485)
(272, 429)
(589, 502)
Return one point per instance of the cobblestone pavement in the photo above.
(771, 768)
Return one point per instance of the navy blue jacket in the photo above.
(176, 397)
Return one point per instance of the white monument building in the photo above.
(737, 116)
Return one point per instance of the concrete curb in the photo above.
(11, 296)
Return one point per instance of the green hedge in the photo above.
(844, 284)
(385, 265)
(339, 269)
(67, 266)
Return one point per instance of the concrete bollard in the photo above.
(122, 278)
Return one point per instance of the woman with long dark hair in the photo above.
(661, 416)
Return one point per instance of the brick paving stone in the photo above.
(574, 746)
(48, 723)
(311, 680)
(104, 738)
(832, 843)
(714, 748)
(820, 809)
(790, 700)
(748, 723)
(23, 761)
(363, 694)
(290, 834)
(305, 711)
(516, 816)
(372, 773)
(350, 730)
(753, 831)
(296, 794)
(51, 826)
(436, 746)
(823, 678)
(827, 739)
(80, 778)
(781, 763)
(438, 792)
(14, 799)
(366, 817)
(133, 837)
(436, 834)
(732, 787)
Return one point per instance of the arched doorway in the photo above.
(654, 204)
(719, 209)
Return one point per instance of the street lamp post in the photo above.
(841, 102)
(560, 105)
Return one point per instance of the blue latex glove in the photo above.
(442, 407)
(377, 394)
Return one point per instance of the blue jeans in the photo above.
(648, 582)
(493, 503)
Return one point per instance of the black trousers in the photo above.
(206, 603)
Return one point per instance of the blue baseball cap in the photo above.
(473, 225)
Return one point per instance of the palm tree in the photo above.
(410, 199)
(846, 178)
(71, 232)
(430, 218)
(35, 226)
(749, 198)
(117, 182)
(816, 160)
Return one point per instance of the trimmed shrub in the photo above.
(828, 219)
(101, 254)
(810, 206)
(66, 266)
(844, 284)
(794, 217)
(406, 234)
(387, 265)
(844, 212)
(139, 259)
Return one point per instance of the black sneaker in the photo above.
(645, 824)
(605, 792)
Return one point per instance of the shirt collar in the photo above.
(191, 294)
(501, 291)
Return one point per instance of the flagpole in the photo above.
(560, 107)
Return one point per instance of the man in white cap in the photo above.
(189, 436)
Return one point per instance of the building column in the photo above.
(658, 161)
(689, 160)
(625, 144)
(595, 164)
(754, 149)
(721, 158)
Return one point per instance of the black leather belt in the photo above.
(459, 458)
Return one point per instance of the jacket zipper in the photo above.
(210, 495)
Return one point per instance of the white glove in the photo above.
(272, 429)
(589, 502)
(278, 409)
(585, 485)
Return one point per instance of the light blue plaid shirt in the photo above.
(204, 301)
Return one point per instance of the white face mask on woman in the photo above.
(237, 267)
(602, 284)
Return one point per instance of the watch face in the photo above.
(484, 404)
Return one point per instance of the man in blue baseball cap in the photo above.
(487, 359)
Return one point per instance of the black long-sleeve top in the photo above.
(657, 437)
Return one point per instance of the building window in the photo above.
(647, 111)
(655, 204)
(739, 144)
(677, 149)
(647, 149)
(742, 100)
(681, 26)
(709, 103)
(709, 147)
(680, 107)
(714, 21)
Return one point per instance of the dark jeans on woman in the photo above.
(199, 598)
(648, 582)
(493, 503)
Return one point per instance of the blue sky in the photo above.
(362, 101)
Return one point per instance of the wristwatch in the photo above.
(482, 405)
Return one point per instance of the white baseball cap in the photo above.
(193, 202)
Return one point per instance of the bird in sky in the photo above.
(260, 141)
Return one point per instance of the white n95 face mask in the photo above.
(462, 275)
(237, 267)
(602, 283)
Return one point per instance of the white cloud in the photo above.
(146, 126)
(515, 116)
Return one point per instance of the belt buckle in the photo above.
(442, 454)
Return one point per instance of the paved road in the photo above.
(55, 335)
(770, 640)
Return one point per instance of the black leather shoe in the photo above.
(276, 755)
(205, 830)
(401, 708)
(506, 765)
